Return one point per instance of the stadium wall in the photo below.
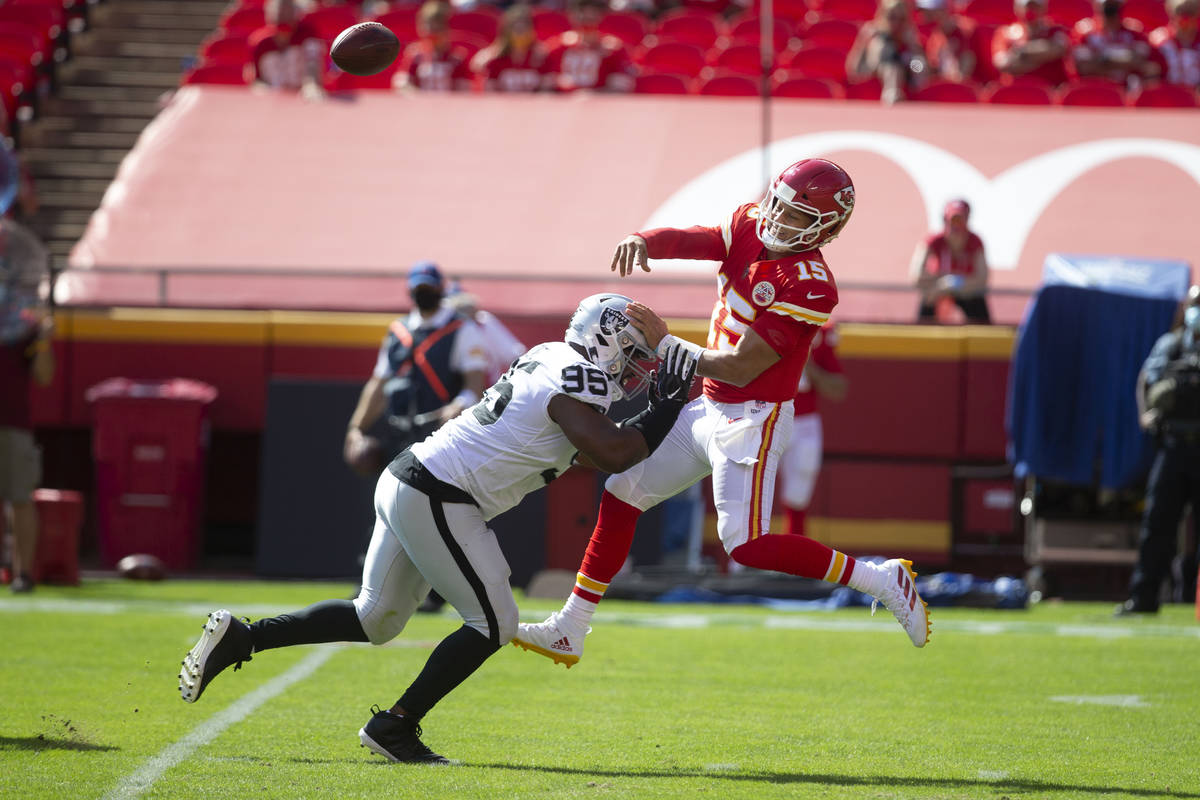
(923, 401)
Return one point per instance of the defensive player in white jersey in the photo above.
(433, 501)
(775, 291)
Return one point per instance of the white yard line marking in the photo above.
(992, 774)
(844, 621)
(144, 777)
(1120, 700)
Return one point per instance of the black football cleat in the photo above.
(225, 641)
(396, 738)
(1133, 607)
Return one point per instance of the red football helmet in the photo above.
(818, 188)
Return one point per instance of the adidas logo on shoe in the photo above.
(563, 645)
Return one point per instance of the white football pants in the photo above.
(738, 443)
(420, 542)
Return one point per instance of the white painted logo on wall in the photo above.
(1004, 209)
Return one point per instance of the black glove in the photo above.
(673, 379)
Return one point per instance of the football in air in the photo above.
(365, 49)
(142, 567)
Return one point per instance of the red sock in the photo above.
(795, 555)
(609, 545)
(795, 521)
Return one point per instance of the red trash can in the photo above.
(150, 443)
(60, 518)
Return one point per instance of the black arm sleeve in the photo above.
(655, 422)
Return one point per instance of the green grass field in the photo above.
(669, 701)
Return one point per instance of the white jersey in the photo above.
(506, 446)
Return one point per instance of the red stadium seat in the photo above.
(853, 10)
(710, 6)
(836, 33)
(817, 88)
(816, 62)
(328, 21)
(740, 59)
(1091, 92)
(946, 92)
(1151, 13)
(990, 12)
(216, 74)
(49, 21)
(748, 30)
(1068, 12)
(661, 83)
(628, 26)
(470, 42)
(729, 85)
(870, 89)
(690, 27)
(1018, 94)
(1164, 95)
(228, 49)
(483, 24)
(981, 43)
(548, 23)
(682, 59)
(400, 21)
(244, 20)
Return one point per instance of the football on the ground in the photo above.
(142, 567)
(365, 48)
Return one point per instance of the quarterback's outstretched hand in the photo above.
(673, 380)
(630, 252)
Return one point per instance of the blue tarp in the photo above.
(1071, 414)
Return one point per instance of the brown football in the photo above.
(365, 48)
(142, 567)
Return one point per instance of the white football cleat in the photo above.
(552, 640)
(900, 596)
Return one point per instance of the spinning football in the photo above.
(142, 567)
(364, 49)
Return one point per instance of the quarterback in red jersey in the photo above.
(775, 291)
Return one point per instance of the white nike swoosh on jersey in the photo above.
(812, 296)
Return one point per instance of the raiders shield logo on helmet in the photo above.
(612, 321)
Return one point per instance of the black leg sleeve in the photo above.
(327, 621)
(450, 663)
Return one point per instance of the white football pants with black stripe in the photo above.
(421, 542)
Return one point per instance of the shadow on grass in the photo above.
(41, 742)
(849, 780)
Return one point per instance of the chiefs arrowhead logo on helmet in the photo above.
(845, 198)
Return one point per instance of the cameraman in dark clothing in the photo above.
(1168, 395)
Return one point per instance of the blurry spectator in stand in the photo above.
(1032, 45)
(433, 63)
(1168, 401)
(584, 59)
(502, 347)
(287, 55)
(18, 194)
(888, 48)
(431, 366)
(1110, 46)
(952, 264)
(822, 378)
(1178, 45)
(25, 356)
(512, 63)
(950, 48)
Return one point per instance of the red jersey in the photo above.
(944, 261)
(281, 57)
(784, 300)
(1180, 62)
(509, 72)
(576, 64)
(1008, 36)
(433, 71)
(945, 50)
(824, 356)
(1090, 37)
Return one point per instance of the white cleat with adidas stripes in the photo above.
(553, 639)
(899, 594)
